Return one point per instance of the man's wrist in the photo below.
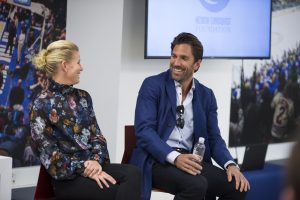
(171, 157)
(229, 162)
(232, 164)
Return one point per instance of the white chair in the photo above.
(5, 177)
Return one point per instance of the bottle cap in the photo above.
(201, 139)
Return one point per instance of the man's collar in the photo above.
(177, 84)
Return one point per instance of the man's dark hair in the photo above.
(188, 38)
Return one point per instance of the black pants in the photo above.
(210, 183)
(128, 186)
(9, 45)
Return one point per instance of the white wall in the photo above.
(96, 26)
(5, 177)
(110, 35)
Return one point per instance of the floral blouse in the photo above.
(65, 132)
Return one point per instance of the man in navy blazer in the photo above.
(173, 110)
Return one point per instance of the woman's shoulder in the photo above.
(41, 103)
(44, 96)
(83, 93)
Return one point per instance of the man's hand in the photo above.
(189, 163)
(241, 183)
(92, 167)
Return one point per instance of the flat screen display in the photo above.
(226, 28)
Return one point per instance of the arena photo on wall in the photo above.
(26, 27)
(265, 94)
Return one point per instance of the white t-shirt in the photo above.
(284, 109)
(21, 38)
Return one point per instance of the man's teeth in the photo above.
(178, 70)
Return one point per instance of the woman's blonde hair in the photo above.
(56, 52)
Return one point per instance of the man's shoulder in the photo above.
(200, 87)
(162, 75)
(157, 79)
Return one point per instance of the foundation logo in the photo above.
(214, 5)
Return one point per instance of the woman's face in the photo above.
(73, 69)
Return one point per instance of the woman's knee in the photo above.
(132, 171)
(136, 172)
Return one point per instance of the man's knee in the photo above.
(233, 193)
(199, 185)
(240, 195)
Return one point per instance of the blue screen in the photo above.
(226, 28)
(23, 2)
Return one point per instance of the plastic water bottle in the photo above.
(199, 148)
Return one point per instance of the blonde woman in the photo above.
(66, 136)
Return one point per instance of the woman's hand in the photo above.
(92, 168)
(103, 178)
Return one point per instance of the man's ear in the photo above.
(197, 65)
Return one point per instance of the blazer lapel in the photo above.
(171, 92)
(199, 116)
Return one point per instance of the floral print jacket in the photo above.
(65, 132)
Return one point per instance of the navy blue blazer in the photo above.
(155, 118)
